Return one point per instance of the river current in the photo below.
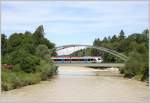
(79, 84)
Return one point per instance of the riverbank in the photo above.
(81, 84)
(16, 79)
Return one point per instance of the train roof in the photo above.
(68, 57)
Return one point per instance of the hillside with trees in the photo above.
(25, 59)
(135, 46)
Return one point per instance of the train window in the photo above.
(99, 59)
(73, 59)
(55, 59)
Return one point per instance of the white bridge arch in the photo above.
(113, 52)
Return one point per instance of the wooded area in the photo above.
(135, 46)
(25, 59)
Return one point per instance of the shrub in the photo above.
(43, 52)
(46, 69)
(17, 68)
(10, 80)
(18, 78)
(6, 83)
(6, 86)
(136, 66)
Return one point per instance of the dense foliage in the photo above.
(135, 46)
(28, 55)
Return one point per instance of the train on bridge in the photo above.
(70, 59)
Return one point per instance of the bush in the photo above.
(10, 80)
(46, 69)
(6, 86)
(23, 60)
(137, 65)
(16, 78)
(6, 80)
(43, 52)
(16, 68)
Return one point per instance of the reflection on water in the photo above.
(82, 84)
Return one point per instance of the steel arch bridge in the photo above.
(113, 52)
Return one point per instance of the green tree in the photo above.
(105, 39)
(19, 50)
(114, 38)
(17, 41)
(146, 32)
(39, 32)
(38, 36)
(121, 35)
(3, 44)
(14, 41)
(26, 60)
(43, 52)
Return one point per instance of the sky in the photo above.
(74, 22)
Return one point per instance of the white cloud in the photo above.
(61, 19)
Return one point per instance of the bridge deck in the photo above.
(92, 64)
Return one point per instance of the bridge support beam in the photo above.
(119, 65)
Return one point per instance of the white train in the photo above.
(68, 59)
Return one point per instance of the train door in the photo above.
(62, 60)
(85, 60)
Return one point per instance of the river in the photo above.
(82, 84)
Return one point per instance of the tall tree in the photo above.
(39, 32)
(121, 35)
(105, 39)
(3, 44)
(114, 38)
(146, 31)
(38, 35)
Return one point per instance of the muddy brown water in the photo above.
(82, 84)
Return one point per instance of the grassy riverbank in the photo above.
(26, 59)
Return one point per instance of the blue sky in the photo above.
(75, 22)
